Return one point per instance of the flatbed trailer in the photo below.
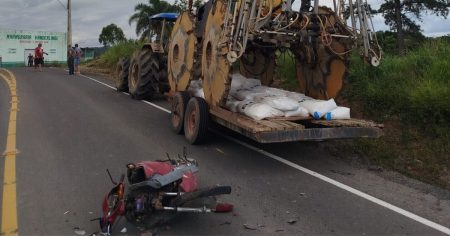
(295, 128)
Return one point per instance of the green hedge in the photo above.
(415, 88)
(125, 49)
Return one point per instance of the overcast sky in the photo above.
(90, 16)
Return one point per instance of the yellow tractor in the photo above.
(244, 36)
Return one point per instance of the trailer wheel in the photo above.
(140, 79)
(121, 75)
(179, 104)
(196, 119)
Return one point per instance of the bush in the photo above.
(415, 87)
(124, 49)
(411, 95)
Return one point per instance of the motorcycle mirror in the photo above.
(110, 177)
(168, 157)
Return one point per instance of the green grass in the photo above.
(110, 58)
(411, 96)
(286, 71)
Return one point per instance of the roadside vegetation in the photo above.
(109, 59)
(410, 95)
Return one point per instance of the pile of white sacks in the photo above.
(249, 97)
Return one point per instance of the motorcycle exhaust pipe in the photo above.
(220, 208)
(173, 194)
(188, 209)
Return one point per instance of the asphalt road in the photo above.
(70, 129)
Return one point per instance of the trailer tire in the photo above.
(141, 81)
(121, 75)
(179, 104)
(196, 120)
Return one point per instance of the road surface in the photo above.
(71, 128)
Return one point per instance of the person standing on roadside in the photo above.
(39, 57)
(77, 58)
(30, 60)
(71, 59)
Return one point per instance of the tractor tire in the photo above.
(179, 104)
(196, 120)
(121, 75)
(142, 82)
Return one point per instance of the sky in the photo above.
(90, 16)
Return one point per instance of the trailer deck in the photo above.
(295, 128)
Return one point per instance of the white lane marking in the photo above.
(107, 85)
(340, 185)
(156, 106)
(111, 87)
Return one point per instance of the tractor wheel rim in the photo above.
(177, 110)
(191, 122)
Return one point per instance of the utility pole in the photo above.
(69, 23)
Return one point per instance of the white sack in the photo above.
(299, 97)
(242, 105)
(302, 112)
(318, 108)
(270, 91)
(244, 94)
(196, 88)
(232, 104)
(281, 103)
(252, 83)
(339, 113)
(259, 111)
(238, 82)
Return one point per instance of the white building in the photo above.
(16, 45)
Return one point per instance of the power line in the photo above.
(62, 4)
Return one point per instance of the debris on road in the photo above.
(79, 231)
(292, 221)
(67, 212)
(342, 172)
(124, 230)
(303, 194)
(146, 233)
(250, 227)
(219, 150)
(226, 223)
(375, 168)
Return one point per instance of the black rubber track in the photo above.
(121, 76)
(200, 131)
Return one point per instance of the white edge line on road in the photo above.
(156, 106)
(340, 185)
(107, 85)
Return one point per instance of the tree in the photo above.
(111, 35)
(144, 27)
(183, 5)
(396, 14)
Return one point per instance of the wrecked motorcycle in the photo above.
(156, 188)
